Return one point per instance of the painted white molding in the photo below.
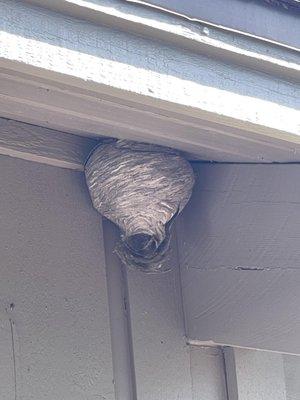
(43, 145)
(82, 112)
(88, 79)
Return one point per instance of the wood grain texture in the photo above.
(254, 375)
(199, 87)
(239, 255)
(53, 271)
(43, 145)
(154, 24)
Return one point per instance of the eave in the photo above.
(128, 72)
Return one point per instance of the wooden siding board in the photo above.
(53, 271)
(239, 256)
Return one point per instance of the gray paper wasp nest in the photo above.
(141, 188)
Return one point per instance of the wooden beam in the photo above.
(262, 22)
(43, 145)
(64, 108)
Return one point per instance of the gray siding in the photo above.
(52, 270)
(55, 333)
(240, 256)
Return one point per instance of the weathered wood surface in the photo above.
(52, 271)
(239, 255)
(46, 146)
(214, 109)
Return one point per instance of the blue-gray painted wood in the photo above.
(208, 373)
(254, 375)
(228, 107)
(165, 367)
(239, 255)
(120, 325)
(292, 376)
(253, 17)
(161, 355)
(52, 287)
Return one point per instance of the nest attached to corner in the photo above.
(141, 188)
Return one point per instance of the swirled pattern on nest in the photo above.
(141, 188)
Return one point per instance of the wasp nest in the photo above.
(141, 188)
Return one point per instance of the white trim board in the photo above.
(64, 108)
(48, 146)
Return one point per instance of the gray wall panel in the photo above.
(239, 247)
(52, 270)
